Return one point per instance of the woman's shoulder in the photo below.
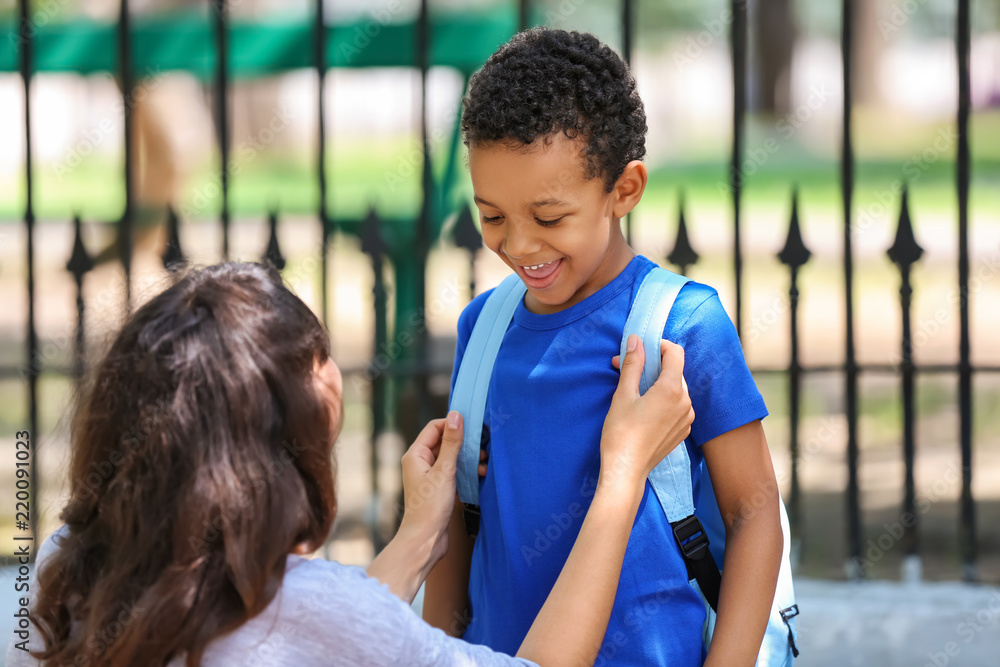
(51, 544)
(324, 613)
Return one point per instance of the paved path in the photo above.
(887, 624)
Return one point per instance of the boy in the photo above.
(556, 133)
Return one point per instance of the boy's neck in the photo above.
(615, 260)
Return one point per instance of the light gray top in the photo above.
(325, 613)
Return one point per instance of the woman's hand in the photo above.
(429, 481)
(429, 496)
(640, 431)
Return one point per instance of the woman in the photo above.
(201, 472)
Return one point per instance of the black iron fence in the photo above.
(410, 374)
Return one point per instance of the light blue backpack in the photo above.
(697, 523)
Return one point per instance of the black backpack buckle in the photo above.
(691, 538)
(472, 516)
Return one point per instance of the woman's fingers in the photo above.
(671, 360)
(451, 443)
(616, 360)
(672, 369)
(428, 441)
(641, 431)
(632, 367)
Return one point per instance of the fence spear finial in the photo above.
(683, 255)
(173, 257)
(79, 260)
(905, 250)
(273, 252)
(795, 253)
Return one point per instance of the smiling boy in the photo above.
(556, 135)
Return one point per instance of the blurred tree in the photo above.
(873, 21)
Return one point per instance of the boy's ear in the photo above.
(629, 188)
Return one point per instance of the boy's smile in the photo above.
(558, 230)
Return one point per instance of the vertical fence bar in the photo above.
(904, 252)
(33, 364)
(850, 362)
(373, 246)
(967, 526)
(424, 220)
(467, 236)
(738, 38)
(794, 396)
(523, 12)
(319, 56)
(628, 21)
(222, 113)
(794, 255)
(128, 97)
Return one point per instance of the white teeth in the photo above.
(538, 266)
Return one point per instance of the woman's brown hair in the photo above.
(201, 457)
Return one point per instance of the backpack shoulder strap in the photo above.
(671, 478)
(473, 381)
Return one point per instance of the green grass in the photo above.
(386, 173)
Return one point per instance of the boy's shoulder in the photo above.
(694, 297)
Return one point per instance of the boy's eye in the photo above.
(492, 221)
(547, 223)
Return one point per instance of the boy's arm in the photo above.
(739, 464)
(446, 590)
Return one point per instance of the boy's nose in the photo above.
(517, 244)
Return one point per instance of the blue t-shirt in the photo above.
(548, 397)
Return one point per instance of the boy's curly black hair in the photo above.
(544, 81)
